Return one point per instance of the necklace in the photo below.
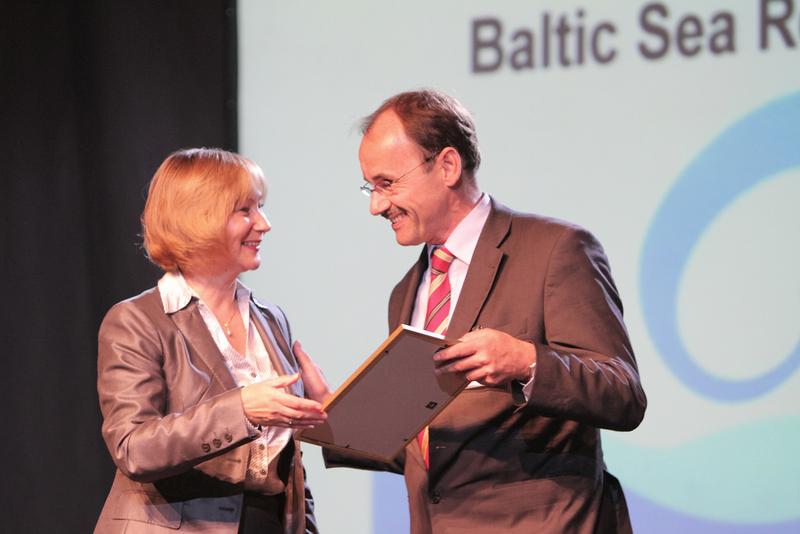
(226, 324)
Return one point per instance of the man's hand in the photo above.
(313, 380)
(488, 356)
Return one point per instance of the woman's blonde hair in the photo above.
(191, 196)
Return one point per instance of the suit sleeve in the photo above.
(145, 441)
(586, 370)
(337, 458)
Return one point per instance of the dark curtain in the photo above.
(94, 95)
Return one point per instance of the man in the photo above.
(542, 340)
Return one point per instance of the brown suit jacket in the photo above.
(174, 424)
(497, 463)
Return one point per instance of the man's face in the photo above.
(411, 194)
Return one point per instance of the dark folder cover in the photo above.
(389, 398)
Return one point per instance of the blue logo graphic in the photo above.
(743, 479)
(754, 149)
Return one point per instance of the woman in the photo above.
(199, 390)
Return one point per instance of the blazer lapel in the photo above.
(194, 330)
(482, 271)
(278, 349)
(400, 310)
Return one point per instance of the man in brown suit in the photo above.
(543, 342)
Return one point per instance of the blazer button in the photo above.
(217, 442)
(435, 498)
(228, 437)
(206, 447)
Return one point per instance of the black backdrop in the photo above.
(94, 94)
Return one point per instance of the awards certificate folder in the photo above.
(389, 398)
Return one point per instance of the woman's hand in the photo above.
(313, 380)
(266, 403)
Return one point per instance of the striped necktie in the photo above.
(437, 317)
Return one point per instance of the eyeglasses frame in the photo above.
(368, 189)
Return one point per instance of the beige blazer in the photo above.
(174, 424)
(498, 464)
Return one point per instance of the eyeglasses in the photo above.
(384, 185)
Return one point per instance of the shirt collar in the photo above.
(176, 293)
(464, 238)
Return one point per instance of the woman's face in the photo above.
(243, 232)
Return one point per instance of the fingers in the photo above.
(287, 410)
(299, 417)
(457, 358)
(459, 350)
(458, 365)
(488, 356)
(300, 404)
(286, 417)
(296, 424)
(267, 403)
(282, 381)
(469, 344)
(307, 365)
(315, 385)
(472, 369)
(298, 407)
(303, 419)
(469, 357)
(301, 355)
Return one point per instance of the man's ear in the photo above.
(451, 165)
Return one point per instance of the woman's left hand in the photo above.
(314, 382)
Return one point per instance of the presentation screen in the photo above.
(670, 129)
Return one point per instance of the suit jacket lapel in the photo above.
(194, 330)
(482, 271)
(400, 310)
(480, 277)
(277, 349)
